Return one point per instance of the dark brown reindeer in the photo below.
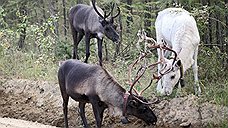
(87, 83)
(93, 23)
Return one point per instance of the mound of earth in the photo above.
(40, 101)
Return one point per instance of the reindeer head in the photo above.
(139, 107)
(172, 74)
(107, 23)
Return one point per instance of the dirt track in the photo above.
(40, 101)
(17, 123)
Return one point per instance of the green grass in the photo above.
(19, 64)
(223, 124)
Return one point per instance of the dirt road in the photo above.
(17, 123)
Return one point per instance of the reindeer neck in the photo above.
(186, 46)
(111, 93)
(186, 57)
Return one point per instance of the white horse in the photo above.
(177, 28)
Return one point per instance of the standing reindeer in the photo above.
(92, 22)
(87, 83)
(177, 29)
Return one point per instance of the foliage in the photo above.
(213, 74)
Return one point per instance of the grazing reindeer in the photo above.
(87, 83)
(90, 21)
(177, 29)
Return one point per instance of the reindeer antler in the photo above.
(143, 37)
(163, 46)
(105, 16)
(113, 5)
(118, 13)
(138, 76)
(141, 70)
(95, 8)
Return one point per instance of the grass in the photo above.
(19, 64)
(30, 65)
(223, 124)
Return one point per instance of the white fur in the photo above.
(178, 29)
(100, 35)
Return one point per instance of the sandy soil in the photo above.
(17, 123)
(40, 102)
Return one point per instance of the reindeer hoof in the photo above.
(124, 120)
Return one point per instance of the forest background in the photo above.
(35, 36)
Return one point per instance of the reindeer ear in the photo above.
(111, 20)
(102, 21)
(178, 63)
(133, 103)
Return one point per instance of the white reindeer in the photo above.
(177, 28)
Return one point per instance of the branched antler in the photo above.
(138, 76)
(163, 46)
(140, 73)
(143, 37)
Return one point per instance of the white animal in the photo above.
(177, 28)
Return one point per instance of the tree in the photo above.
(129, 17)
(54, 14)
(22, 15)
(64, 19)
(147, 19)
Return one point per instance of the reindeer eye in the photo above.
(107, 29)
(114, 26)
(172, 77)
(144, 110)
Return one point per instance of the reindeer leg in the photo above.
(100, 50)
(94, 100)
(79, 38)
(179, 90)
(87, 41)
(195, 72)
(65, 110)
(102, 107)
(65, 98)
(75, 35)
(124, 120)
(159, 85)
(82, 113)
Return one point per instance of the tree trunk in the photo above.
(64, 18)
(44, 15)
(54, 13)
(147, 21)
(226, 31)
(22, 22)
(209, 41)
(218, 32)
(117, 51)
(129, 17)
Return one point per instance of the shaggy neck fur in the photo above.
(111, 93)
